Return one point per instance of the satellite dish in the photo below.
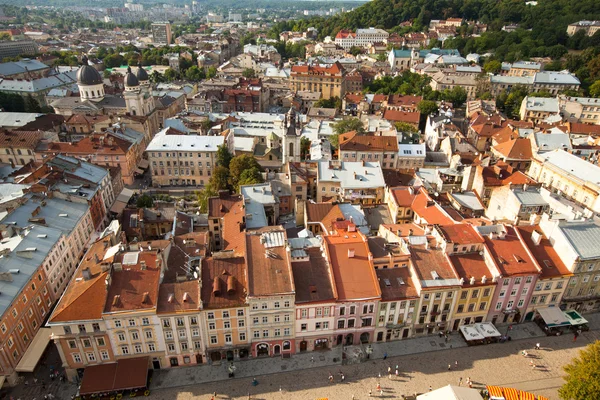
(195, 275)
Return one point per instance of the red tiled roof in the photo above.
(427, 261)
(404, 196)
(510, 254)
(550, 263)
(472, 265)
(516, 149)
(316, 212)
(405, 230)
(179, 297)
(20, 139)
(429, 210)
(354, 276)
(396, 284)
(268, 275)
(501, 174)
(313, 278)
(402, 116)
(398, 100)
(354, 98)
(368, 143)
(229, 276)
(461, 234)
(335, 69)
(91, 145)
(583, 129)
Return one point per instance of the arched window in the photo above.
(287, 345)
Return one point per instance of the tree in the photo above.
(212, 72)
(457, 96)
(219, 179)
(106, 74)
(194, 74)
(427, 107)
(405, 127)
(170, 75)
(144, 201)
(595, 89)
(203, 196)
(492, 66)
(248, 73)
(223, 156)
(333, 102)
(304, 148)
(345, 125)
(250, 177)
(113, 61)
(583, 375)
(156, 77)
(354, 50)
(238, 165)
(5, 36)
(32, 105)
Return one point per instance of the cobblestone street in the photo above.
(497, 364)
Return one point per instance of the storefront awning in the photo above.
(34, 351)
(121, 201)
(470, 333)
(139, 171)
(125, 374)
(575, 318)
(144, 164)
(487, 329)
(553, 317)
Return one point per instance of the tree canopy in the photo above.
(238, 166)
(343, 126)
(583, 375)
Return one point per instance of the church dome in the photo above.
(130, 79)
(88, 75)
(141, 74)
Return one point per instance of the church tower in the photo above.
(89, 81)
(138, 99)
(291, 137)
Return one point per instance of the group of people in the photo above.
(469, 382)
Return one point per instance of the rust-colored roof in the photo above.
(354, 98)
(91, 145)
(487, 126)
(333, 216)
(402, 116)
(516, 149)
(269, 269)
(404, 195)
(405, 230)
(86, 119)
(398, 100)
(231, 209)
(354, 276)
(229, 276)
(316, 212)
(218, 206)
(550, 263)
(135, 287)
(472, 265)
(461, 234)
(428, 260)
(510, 255)
(501, 174)
(84, 299)
(396, 284)
(583, 129)
(179, 297)
(335, 69)
(369, 143)
(505, 134)
(429, 210)
(313, 279)
(20, 139)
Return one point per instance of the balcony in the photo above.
(396, 326)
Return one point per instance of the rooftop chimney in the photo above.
(216, 286)
(87, 274)
(350, 253)
(472, 280)
(230, 284)
(483, 279)
(536, 238)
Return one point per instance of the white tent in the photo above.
(451, 392)
(488, 330)
(470, 333)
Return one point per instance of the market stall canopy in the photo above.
(451, 392)
(125, 374)
(487, 329)
(553, 316)
(470, 333)
(575, 318)
(34, 351)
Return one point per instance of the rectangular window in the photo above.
(77, 358)
(104, 355)
(213, 340)
(242, 336)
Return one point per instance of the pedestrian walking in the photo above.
(378, 386)
(381, 392)
(460, 381)
(575, 336)
(470, 385)
(343, 378)
(456, 364)
(379, 375)
(396, 372)
(537, 346)
(430, 388)
(385, 355)
(449, 367)
(312, 359)
(532, 364)
(389, 370)
(370, 392)
(446, 339)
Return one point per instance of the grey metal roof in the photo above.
(82, 169)
(529, 197)
(17, 119)
(552, 77)
(468, 200)
(27, 253)
(584, 237)
(58, 213)
(37, 85)
(19, 67)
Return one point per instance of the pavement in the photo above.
(333, 359)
